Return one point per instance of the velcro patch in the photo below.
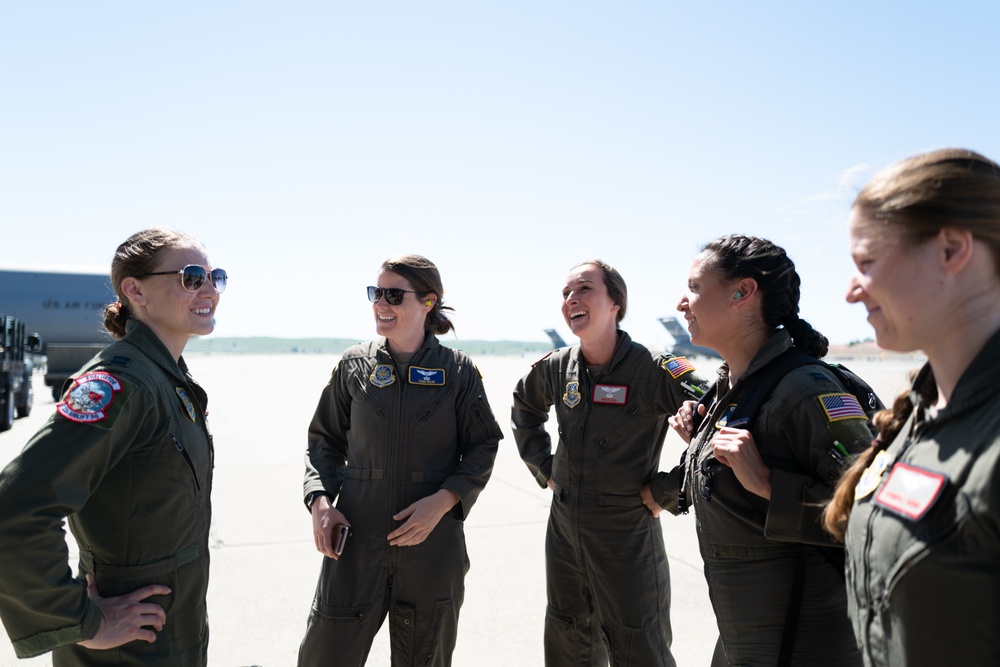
(910, 491)
(610, 394)
(841, 406)
(90, 396)
(572, 396)
(427, 376)
(677, 366)
(382, 376)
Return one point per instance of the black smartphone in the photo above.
(340, 533)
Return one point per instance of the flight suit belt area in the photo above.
(138, 572)
(364, 474)
(602, 499)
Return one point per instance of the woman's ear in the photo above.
(745, 288)
(956, 248)
(132, 289)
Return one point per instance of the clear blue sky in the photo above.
(305, 142)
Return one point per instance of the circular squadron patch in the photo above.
(88, 399)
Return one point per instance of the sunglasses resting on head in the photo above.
(193, 277)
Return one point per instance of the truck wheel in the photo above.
(6, 407)
(25, 400)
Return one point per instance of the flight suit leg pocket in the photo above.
(338, 635)
(565, 641)
(642, 646)
(437, 645)
(402, 619)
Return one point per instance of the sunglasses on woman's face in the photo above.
(393, 295)
(193, 277)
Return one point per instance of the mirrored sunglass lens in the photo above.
(374, 293)
(193, 278)
(219, 280)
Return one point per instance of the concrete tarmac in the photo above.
(264, 564)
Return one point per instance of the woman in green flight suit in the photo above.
(127, 459)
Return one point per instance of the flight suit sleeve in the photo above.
(677, 381)
(326, 451)
(822, 445)
(530, 412)
(480, 437)
(42, 605)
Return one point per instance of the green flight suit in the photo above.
(752, 547)
(127, 457)
(381, 439)
(923, 540)
(607, 576)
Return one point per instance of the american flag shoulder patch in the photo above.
(841, 406)
(677, 366)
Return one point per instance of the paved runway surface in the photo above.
(264, 565)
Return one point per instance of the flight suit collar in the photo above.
(142, 337)
(774, 347)
(976, 386)
(430, 341)
(621, 349)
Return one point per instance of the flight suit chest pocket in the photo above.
(617, 422)
(912, 541)
(191, 459)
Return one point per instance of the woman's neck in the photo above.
(962, 340)
(599, 350)
(740, 350)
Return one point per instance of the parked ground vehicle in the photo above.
(19, 354)
(65, 308)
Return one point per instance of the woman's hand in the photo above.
(126, 618)
(735, 447)
(647, 500)
(683, 421)
(421, 517)
(324, 517)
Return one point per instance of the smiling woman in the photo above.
(607, 576)
(400, 446)
(127, 460)
(919, 510)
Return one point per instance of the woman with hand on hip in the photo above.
(920, 511)
(606, 569)
(127, 459)
(402, 443)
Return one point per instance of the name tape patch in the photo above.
(910, 491)
(610, 394)
(433, 377)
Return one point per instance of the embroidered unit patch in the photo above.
(610, 394)
(382, 376)
(427, 376)
(192, 415)
(841, 406)
(872, 476)
(677, 366)
(572, 396)
(88, 399)
(910, 491)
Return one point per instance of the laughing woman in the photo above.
(923, 539)
(127, 459)
(401, 444)
(606, 569)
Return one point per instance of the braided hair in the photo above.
(735, 257)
